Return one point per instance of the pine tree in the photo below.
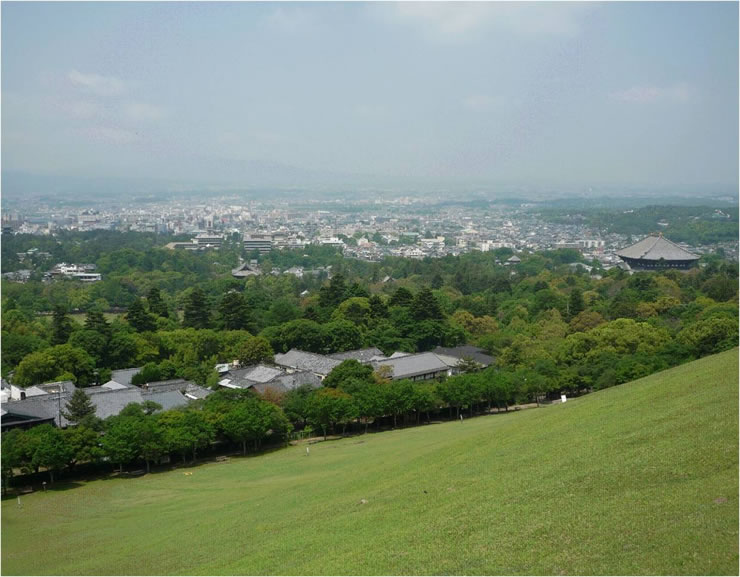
(61, 326)
(95, 321)
(79, 408)
(234, 312)
(402, 297)
(575, 302)
(138, 318)
(156, 305)
(196, 313)
(425, 306)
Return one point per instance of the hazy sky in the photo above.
(580, 93)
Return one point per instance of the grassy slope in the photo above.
(638, 479)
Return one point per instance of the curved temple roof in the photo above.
(656, 248)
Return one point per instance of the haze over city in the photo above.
(366, 94)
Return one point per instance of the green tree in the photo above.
(186, 431)
(95, 321)
(196, 312)
(425, 306)
(327, 407)
(139, 318)
(575, 302)
(79, 409)
(61, 326)
(234, 312)
(348, 370)
(255, 350)
(121, 440)
(47, 365)
(84, 445)
(401, 298)
(157, 306)
(52, 452)
(334, 293)
(710, 335)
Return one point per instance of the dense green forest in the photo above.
(553, 328)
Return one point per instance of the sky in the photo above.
(529, 93)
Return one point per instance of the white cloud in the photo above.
(457, 20)
(144, 112)
(290, 20)
(96, 83)
(648, 93)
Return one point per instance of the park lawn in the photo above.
(638, 479)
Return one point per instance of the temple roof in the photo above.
(656, 248)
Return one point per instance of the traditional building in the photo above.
(657, 253)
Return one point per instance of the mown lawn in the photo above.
(638, 479)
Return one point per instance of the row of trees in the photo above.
(143, 433)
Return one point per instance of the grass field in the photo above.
(637, 479)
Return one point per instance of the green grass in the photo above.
(637, 479)
(80, 317)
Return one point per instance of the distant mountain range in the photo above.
(259, 180)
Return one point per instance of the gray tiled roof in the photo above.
(294, 380)
(656, 248)
(478, 355)
(362, 355)
(169, 385)
(414, 365)
(114, 385)
(42, 407)
(168, 399)
(262, 373)
(108, 403)
(124, 376)
(296, 359)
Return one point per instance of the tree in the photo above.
(150, 439)
(341, 336)
(378, 308)
(575, 302)
(255, 350)
(710, 335)
(12, 454)
(83, 443)
(51, 452)
(196, 311)
(425, 306)
(348, 370)
(327, 407)
(157, 306)
(295, 404)
(401, 298)
(61, 326)
(95, 321)
(139, 318)
(79, 408)
(186, 431)
(121, 439)
(93, 342)
(246, 421)
(149, 373)
(47, 365)
(234, 312)
(334, 293)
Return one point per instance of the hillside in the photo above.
(641, 478)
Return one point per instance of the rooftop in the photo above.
(656, 248)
